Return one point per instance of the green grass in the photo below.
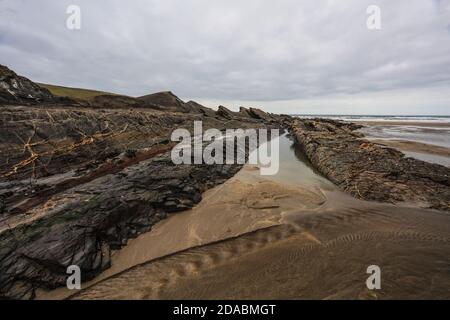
(77, 93)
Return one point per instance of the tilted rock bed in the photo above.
(15, 89)
(82, 225)
(76, 184)
(368, 170)
(43, 141)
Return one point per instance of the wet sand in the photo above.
(414, 146)
(321, 253)
(426, 141)
(418, 150)
(241, 205)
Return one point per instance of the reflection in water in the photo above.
(296, 169)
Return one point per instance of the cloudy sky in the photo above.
(287, 56)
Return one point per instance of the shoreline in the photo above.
(414, 146)
(421, 140)
(432, 124)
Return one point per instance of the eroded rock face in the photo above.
(118, 102)
(195, 107)
(259, 114)
(81, 226)
(256, 115)
(40, 142)
(15, 89)
(370, 171)
(244, 112)
(225, 113)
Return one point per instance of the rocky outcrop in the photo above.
(244, 112)
(118, 102)
(225, 113)
(254, 114)
(15, 89)
(368, 170)
(166, 101)
(40, 142)
(86, 222)
(259, 114)
(195, 107)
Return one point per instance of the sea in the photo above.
(411, 118)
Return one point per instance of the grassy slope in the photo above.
(77, 93)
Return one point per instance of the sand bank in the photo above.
(413, 146)
(320, 253)
(242, 205)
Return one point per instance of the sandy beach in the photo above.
(431, 124)
(413, 146)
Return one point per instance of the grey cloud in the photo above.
(252, 51)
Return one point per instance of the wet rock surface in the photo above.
(368, 170)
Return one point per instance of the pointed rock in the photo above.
(225, 113)
(195, 107)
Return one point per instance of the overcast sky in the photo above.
(286, 56)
